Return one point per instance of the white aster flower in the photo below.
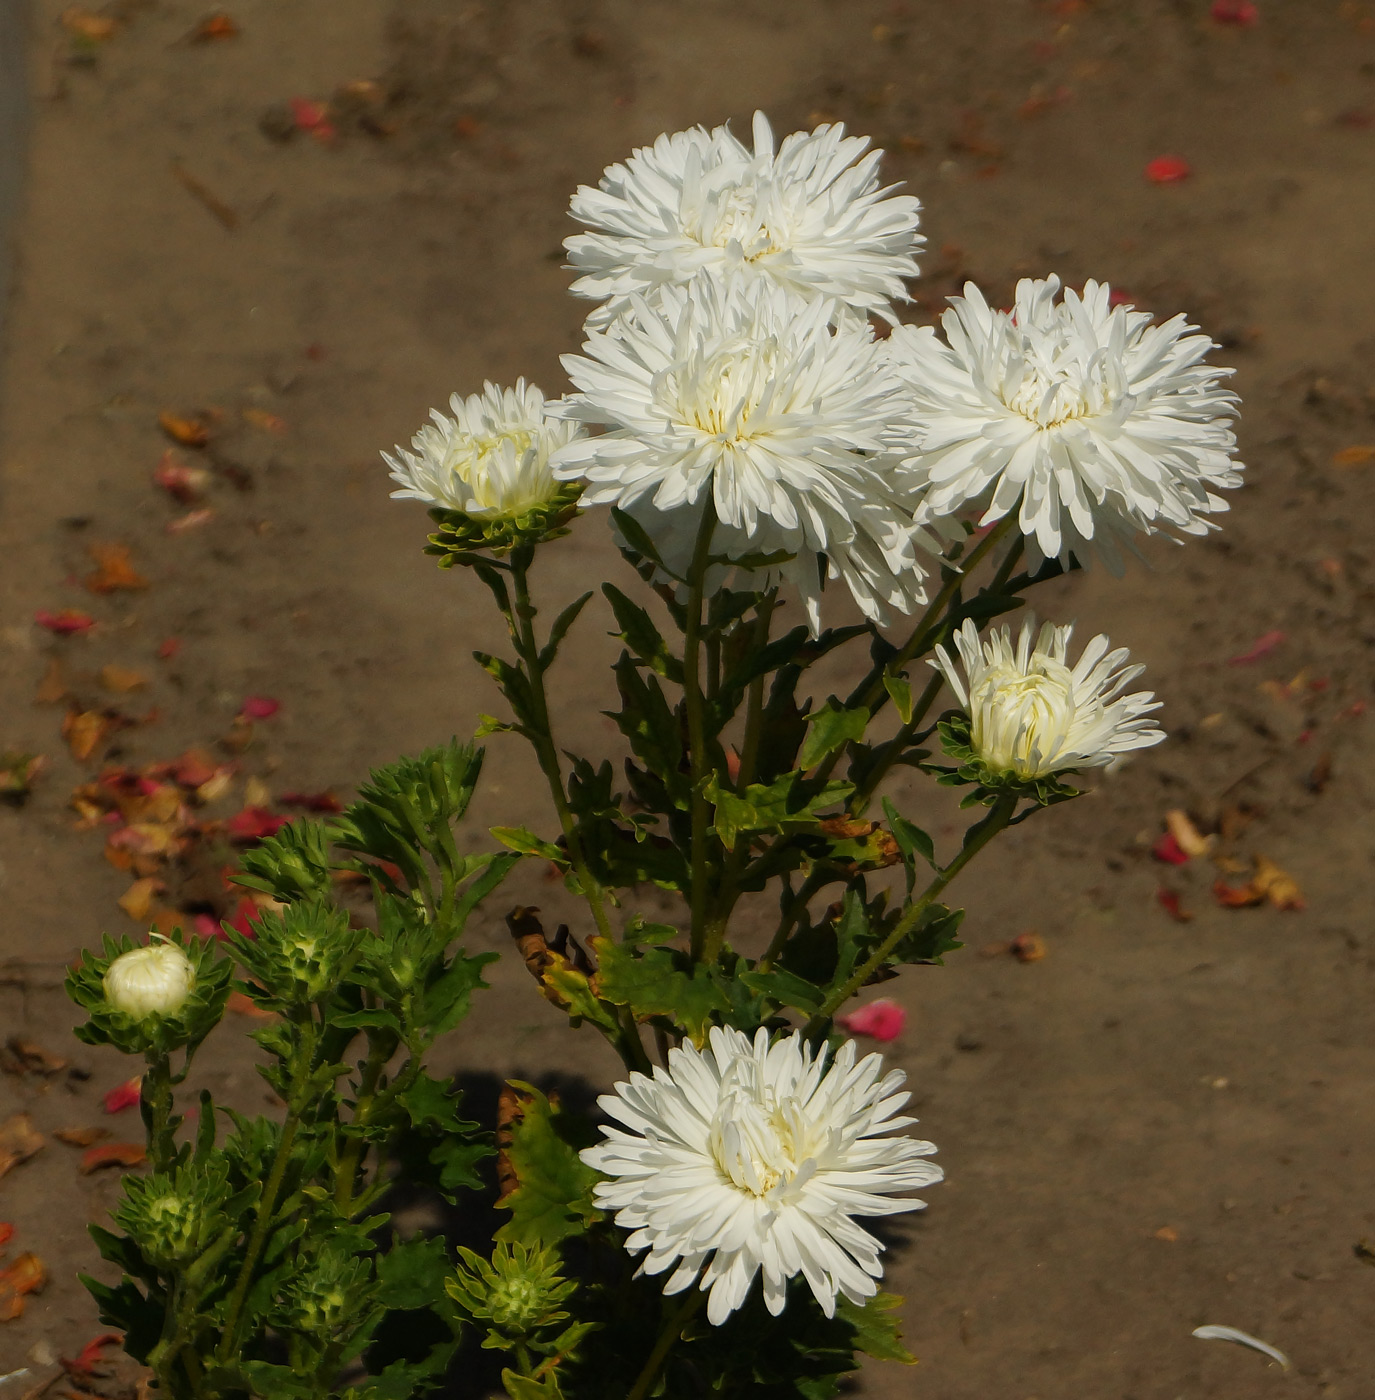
(1087, 419)
(490, 459)
(747, 396)
(151, 981)
(810, 216)
(748, 1156)
(1031, 715)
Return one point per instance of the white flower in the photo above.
(748, 1156)
(1092, 421)
(810, 216)
(151, 981)
(747, 396)
(1031, 715)
(490, 459)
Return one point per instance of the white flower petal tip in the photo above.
(749, 1157)
(1032, 715)
(749, 396)
(1090, 422)
(1213, 1333)
(490, 459)
(809, 215)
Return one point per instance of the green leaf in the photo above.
(520, 1387)
(638, 632)
(900, 693)
(878, 1331)
(832, 727)
(658, 982)
(524, 841)
(934, 936)
(786, 988)
(790, 803)
(639, 541)
(553, 1196)
(411, 1273)
(447, 999)
(560, 629)
(912, 841)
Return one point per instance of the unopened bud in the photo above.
(151, 981)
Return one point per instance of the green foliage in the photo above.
(461, 538)
(552, 1194)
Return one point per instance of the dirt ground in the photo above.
(1158, 1125)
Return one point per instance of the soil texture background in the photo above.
(1161, 1123)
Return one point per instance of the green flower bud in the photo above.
(151, 981)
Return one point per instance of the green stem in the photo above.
(696, 720)
(346, 1177)
(522, 622)
(975, 840)
(737, 859)
(796, 907)
(157, 1093)
(672, 1330)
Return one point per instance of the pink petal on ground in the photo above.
(1168, 170)
(254, 823)
(260, 707)
(65, 623)
(880, 1020)
(124, 1095)
(1262, 646)
(1239, 12)
(1168, 850)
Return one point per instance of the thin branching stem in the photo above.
(695, 705)
(672, 1330)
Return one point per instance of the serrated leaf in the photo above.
(790, 803)
(786, 988)
(560, 629)
(658, 982)
(411, 1273)
(639, 541)
(831, 728)
(553, 1196)
(520, 1387)
(878, 1330)
(524, 841)
(638, 632)
(912, 841)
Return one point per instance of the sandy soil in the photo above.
(1159, 1124)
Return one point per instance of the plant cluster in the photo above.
(755, 440)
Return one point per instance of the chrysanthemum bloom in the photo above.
(1086, 419)
(747, 396)
(810, 216)
(749, 1157)
(490, 459)
(1032, 716)
(151, 981)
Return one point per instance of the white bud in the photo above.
(151, 981)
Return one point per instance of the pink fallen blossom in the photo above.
(880, 1020)
(124, 1095)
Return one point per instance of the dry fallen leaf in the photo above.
(86, 730)
(1277, 885)
(1187, 836)
(1167, 1233)
(256, 793)
(214, 27)
(25, 1275)
(1028, 947)
(137, 901)
(268, 422)
(80, 1137)
(1169, 901)
(1354, 456)
(122, 679)
(190, 432)
(18, 1141)
(17, 774)
(192, 520)
(82, 24)
(22, 1056)
(113, 1154)
(114, 572)
(1262, 646)
(182, 482)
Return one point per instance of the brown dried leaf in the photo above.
(31, 1058)
(1028, 947)
(190, 432)
(113, 1154)
(114, 572)
(268, 422)
(80, 1137)
(18, 1141)
(25, 1275)
(1355, 456)
(138, 900)
(82, 24)
(1187, 836)
(122, 679)
(52, 689)
(86, 730)
(1276, 885)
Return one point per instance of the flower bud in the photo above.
(151, 981)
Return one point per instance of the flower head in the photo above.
(809, 215)
(1032, 716)
(1090, 421)
(151, 981)
(748, 1157)
(748, 397)
(490, 459)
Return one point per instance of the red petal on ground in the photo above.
(254, 823)
(307, 113)
(66, 623)
(124, 1095)
(312, 801)
(168, 649)
(260, 707)
(880, 1020)
(6, 1232)
(1239, 12)
(1262, 646)
(113, 1154)
(1168, 170)
(83, 1364)
(1168, 850)
(1168, 900)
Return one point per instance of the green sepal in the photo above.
(462, 538)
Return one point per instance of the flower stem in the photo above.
(522, 624)
(696, 721)
(975, 840)
(157, 1093)
(672, 1330)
